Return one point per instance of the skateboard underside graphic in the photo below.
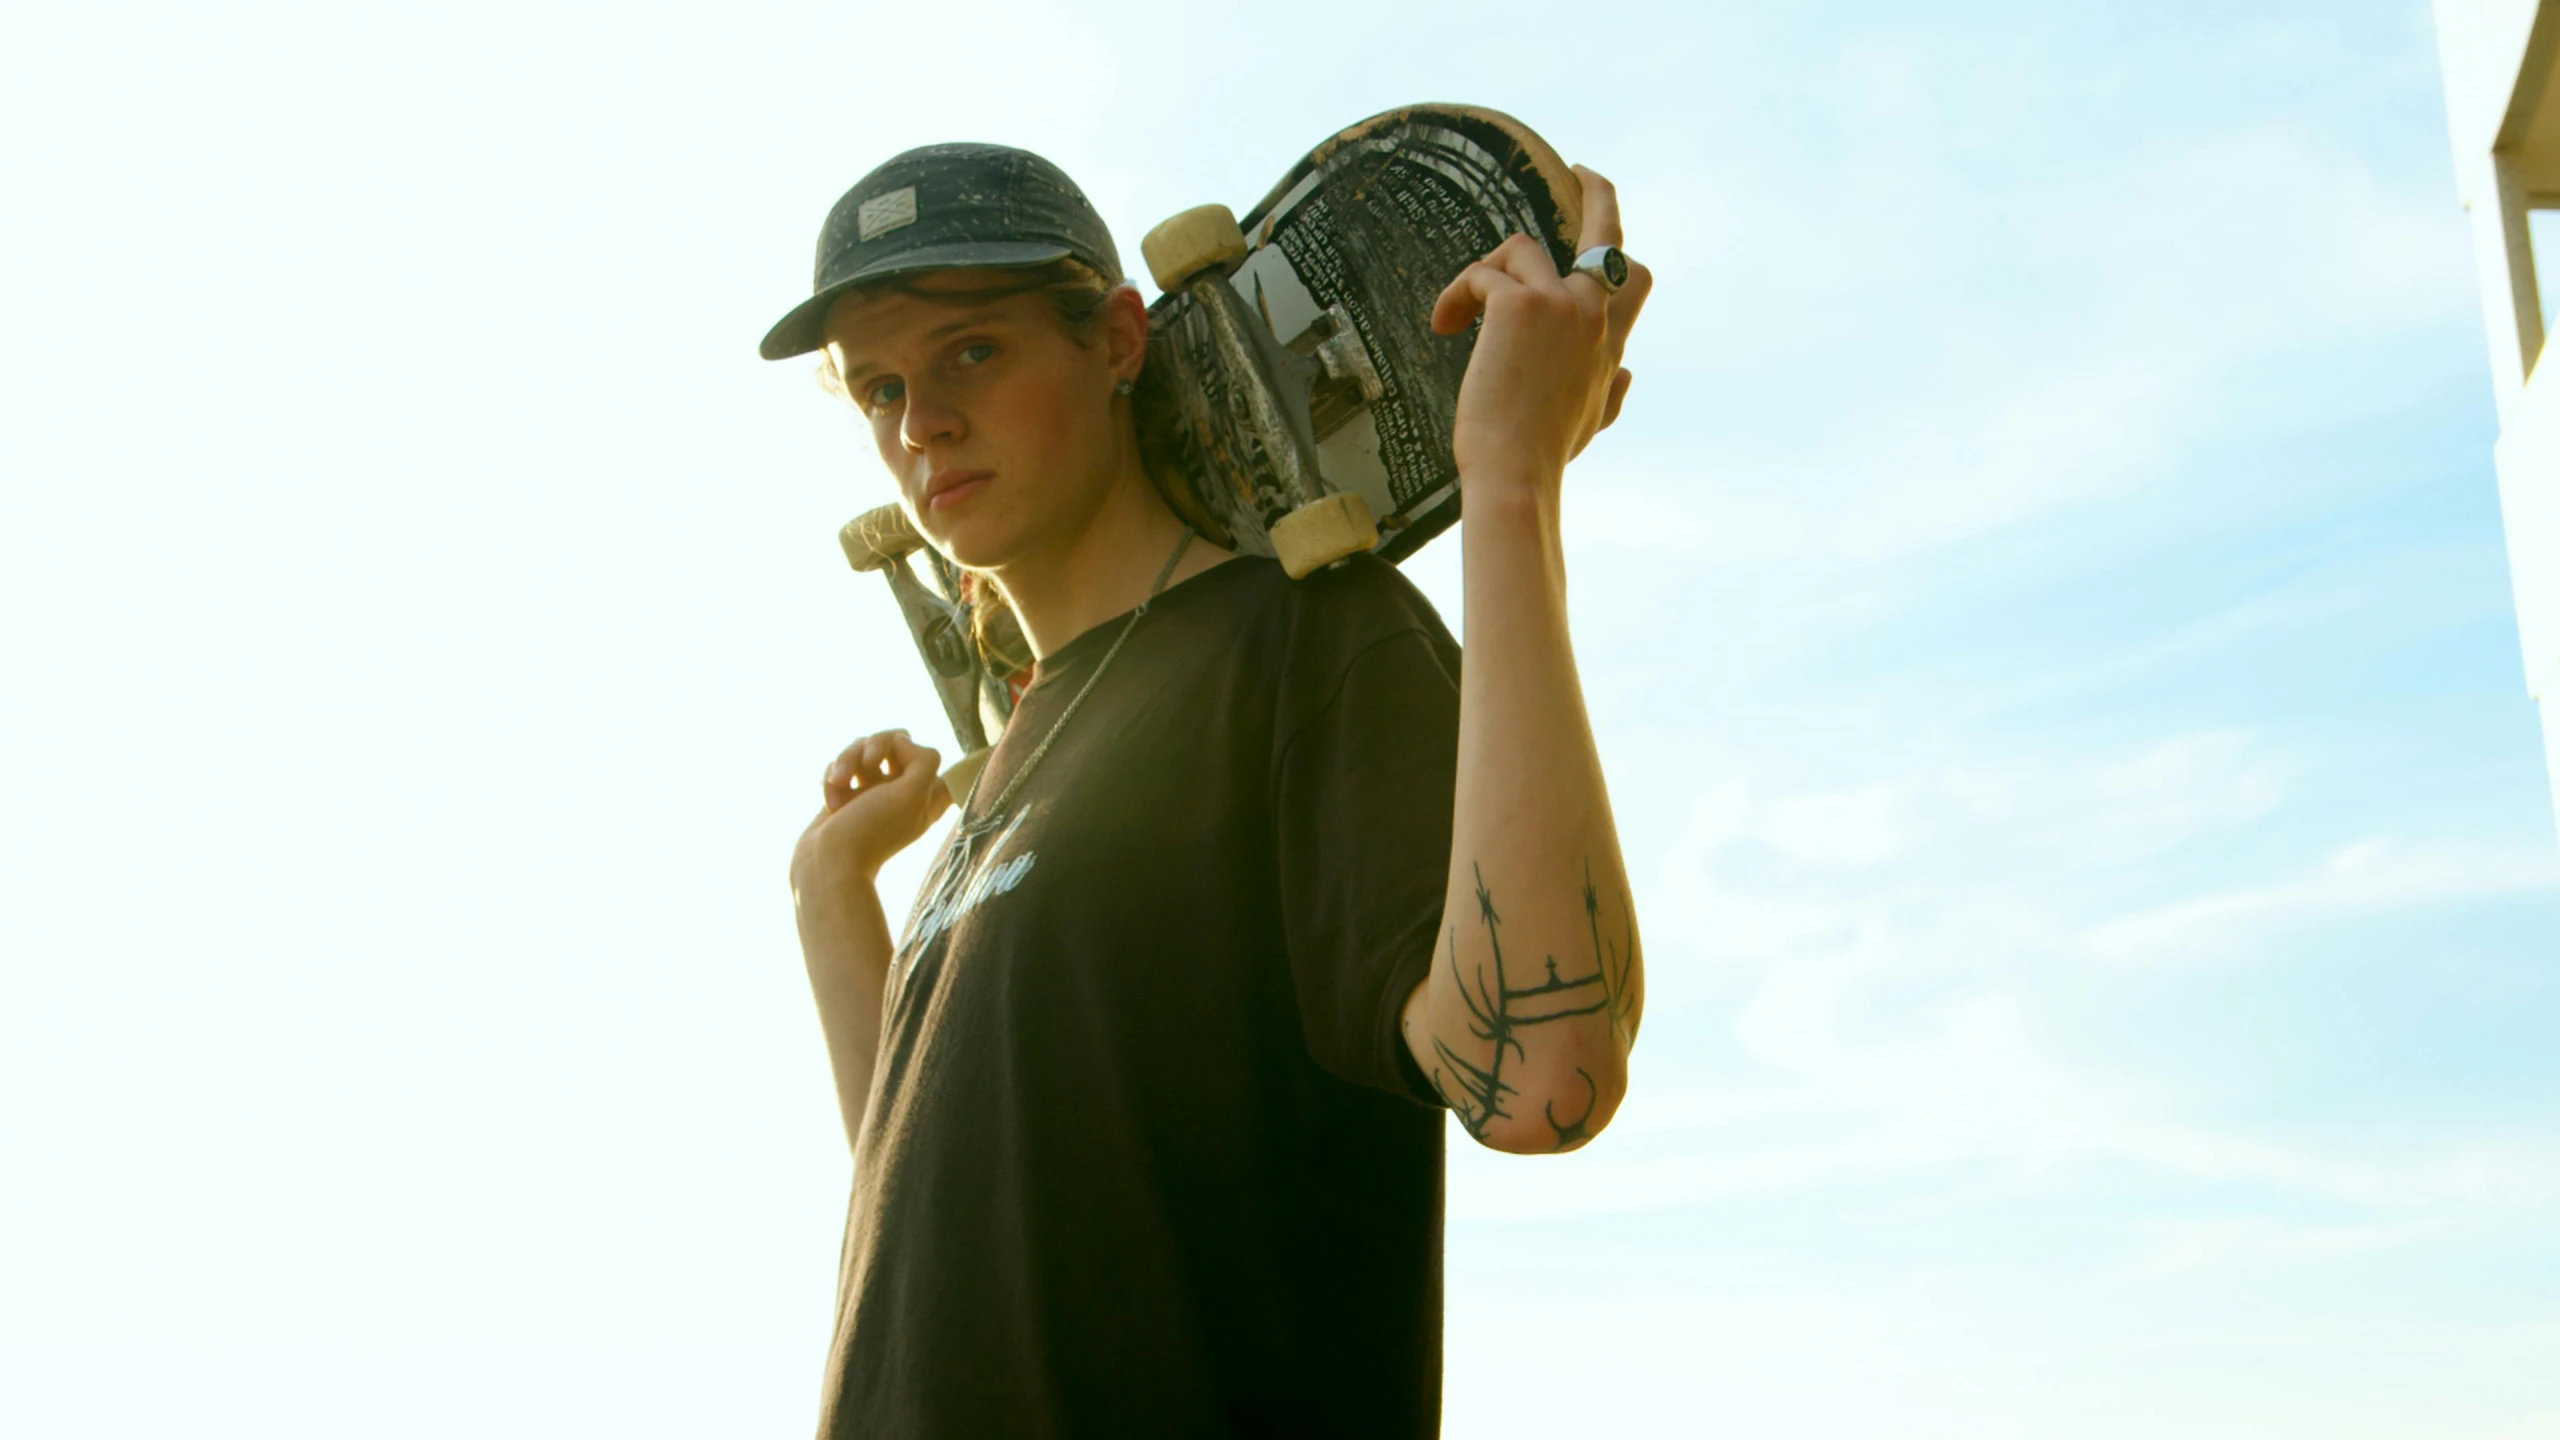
(1338, 270)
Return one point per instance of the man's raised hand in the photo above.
(1545, 376)
(880, 794)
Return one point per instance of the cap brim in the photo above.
(804, 329)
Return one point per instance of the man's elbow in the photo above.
(1560, 1107)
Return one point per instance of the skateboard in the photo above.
(1295, 402)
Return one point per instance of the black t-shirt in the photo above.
(1145, 1154)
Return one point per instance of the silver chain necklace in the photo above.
(952, 873)
(970, 830)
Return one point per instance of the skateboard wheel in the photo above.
(878, 539)
(1315, 535)
(964, 773)
(1198, 239)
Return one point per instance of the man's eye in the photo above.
(977, 354)
(884, 392)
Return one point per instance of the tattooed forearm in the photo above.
(1497, 1013)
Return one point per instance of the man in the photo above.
(1144, 1101)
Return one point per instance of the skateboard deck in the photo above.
(1295, 402)
(1341, 263)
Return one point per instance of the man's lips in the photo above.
(949, 487)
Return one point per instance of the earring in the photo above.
(1124, 387)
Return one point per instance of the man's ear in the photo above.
(1126, 331)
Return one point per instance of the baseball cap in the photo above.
(943, 207)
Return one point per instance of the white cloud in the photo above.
(2190, 1246)
(2368, 876)
(2185, 785)
(1876, 954)
(2145, 300)
(1847, 828)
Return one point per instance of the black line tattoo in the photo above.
(1497, 1012)
(1578, 1129)
(1613, 979)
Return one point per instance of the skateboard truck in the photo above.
(1350, 377)
(881, 540)
(1193, 251)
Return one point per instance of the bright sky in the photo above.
(2044, 610)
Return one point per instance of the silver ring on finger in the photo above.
(1604, 263)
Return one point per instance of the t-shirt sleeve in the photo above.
(1364, 790)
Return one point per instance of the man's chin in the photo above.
(976, 542)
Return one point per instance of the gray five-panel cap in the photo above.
(945, 207)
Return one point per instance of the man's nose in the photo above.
(928, 417)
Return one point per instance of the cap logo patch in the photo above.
(883, 213)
